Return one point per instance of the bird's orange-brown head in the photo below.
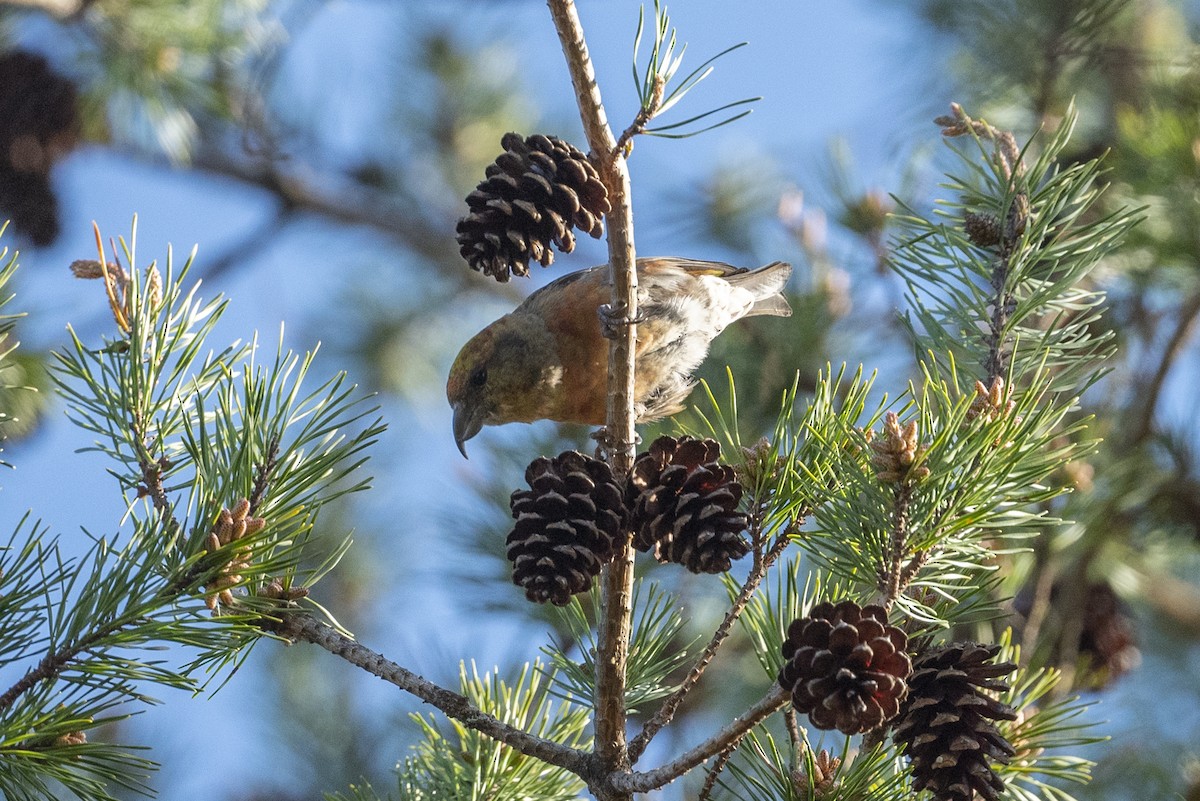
(507, 373)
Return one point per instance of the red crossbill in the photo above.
(548, 359)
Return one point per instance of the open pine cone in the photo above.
(946, 726)
(39, 124)
(534, 193)
(845, 667)
(683, 503)
(568, 525)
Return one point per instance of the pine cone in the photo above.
(39, 123)
(946, 726)
(29, 201)
(822, 783)
(845, 666)
(982, 229)
(535, 192)
(568, 525)
(683, 503)
(39, 117)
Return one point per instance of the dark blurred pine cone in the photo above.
(39, 123)
(28, 200)
(845, 667)
(946, 726)
(982, 229)
(683, 503)
(534, 193)
(1108, 639)
(568, 525)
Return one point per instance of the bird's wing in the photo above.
(652, 264)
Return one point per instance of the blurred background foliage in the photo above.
(216, 88)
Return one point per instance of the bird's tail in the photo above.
(765, 284)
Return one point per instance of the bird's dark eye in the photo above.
(478, 377)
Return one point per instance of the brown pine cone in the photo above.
(29, 201)
(1108, 640)
(683, 503)
(845, 667)
(39, 115)
(946, 726)
(39, 123)
(982, 229)
(568, 525)
(534, 193)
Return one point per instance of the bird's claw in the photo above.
(612, 317)
(605, 444)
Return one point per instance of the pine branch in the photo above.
(666, 712)
(637, 782)
(615, 624)
(152, 470)
(710, 781)
(892, 580)
(90, 644)
(262, 474)
(55, 663)
(300, 627)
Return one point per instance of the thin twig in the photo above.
(262, 476)
(659, 777)
(710, 781)
(617, 611)
(55, 663)
(1150, 389)
(667, 711)
(892, 581)
(300, 627)
(793, 730)
(994, 365)
(643, 117)
(247, 247)
(304, 188)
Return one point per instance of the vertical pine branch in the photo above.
(611, 750)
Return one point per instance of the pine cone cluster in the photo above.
(233, 524)
(947, 728)
(568, 525)
(991, 403)
(39, 124)
(533, 194)
(846, 667)
(683, 504)
(893, 455)
(822, 782)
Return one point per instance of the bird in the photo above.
(548, 359)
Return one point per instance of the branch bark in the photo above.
(301, 627)
(666, 712)
(611, 751)
(660, 777)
